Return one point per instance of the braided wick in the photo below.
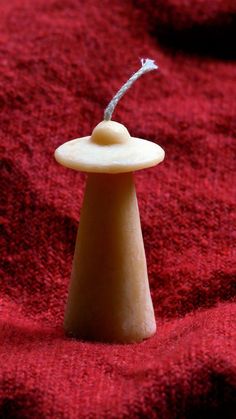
(147, 65)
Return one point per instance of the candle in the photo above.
(109, 297)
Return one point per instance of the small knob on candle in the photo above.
(110, 132)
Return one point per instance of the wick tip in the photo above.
(149, 64)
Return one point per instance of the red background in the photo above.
(61, 62)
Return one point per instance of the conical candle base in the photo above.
(109, 297)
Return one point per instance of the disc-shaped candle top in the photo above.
(110, 149)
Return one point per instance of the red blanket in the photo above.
(61, 62)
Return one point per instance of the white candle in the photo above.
(109, 297)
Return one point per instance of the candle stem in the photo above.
(109, 297)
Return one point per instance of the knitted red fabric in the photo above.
(61, 62)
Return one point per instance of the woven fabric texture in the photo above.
(61, 62)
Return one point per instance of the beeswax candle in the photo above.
(109, 298)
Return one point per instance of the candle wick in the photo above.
(147, 65)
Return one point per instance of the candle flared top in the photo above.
(110, 149)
